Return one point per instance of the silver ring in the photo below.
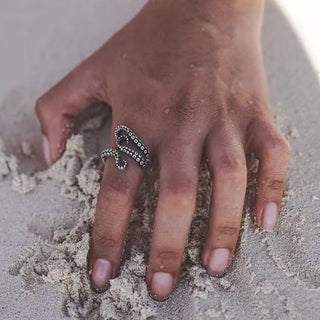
(124, 136)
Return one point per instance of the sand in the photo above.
(61, 258)
(47, 213)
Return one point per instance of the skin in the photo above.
(188, 78)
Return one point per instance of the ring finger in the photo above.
(227, 164)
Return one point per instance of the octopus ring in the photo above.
(124, 138)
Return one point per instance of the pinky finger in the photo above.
(274, 155)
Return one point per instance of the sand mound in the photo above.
(246, 289)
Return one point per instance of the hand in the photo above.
(188, 78)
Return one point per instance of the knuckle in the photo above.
(166, 259)
(275, 145)
(97, 86)
(232, 166)
(226, 230)
(40, 106)
(45, 110)
(101, 239)
(180, 188)
(168, 255)
(269, 139)
(274, 184)
(183, 196)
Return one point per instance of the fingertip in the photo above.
(101, 274)
(46, 150)
(218, 261)
(161, 286)
(270, 216)
(54, 141)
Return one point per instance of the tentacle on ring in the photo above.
(121, 164)
(123, 137)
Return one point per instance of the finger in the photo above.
(114, 206)
(273, 152)
(58, 108)
(177, 196)
(227, 165)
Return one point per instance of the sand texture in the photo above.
(47, 213)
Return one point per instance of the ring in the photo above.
(123, 137)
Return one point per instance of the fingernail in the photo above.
(161, 285)
(46, 150)
(218, 261)
(270, 216)
(101, 273)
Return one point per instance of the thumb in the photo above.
(58, 108)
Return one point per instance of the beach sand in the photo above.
(46, 214)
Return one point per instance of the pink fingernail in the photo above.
(101, 273)
(46, 150)
(161, 285)
(270, 216)
(218, 261)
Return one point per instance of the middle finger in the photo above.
(177, 197)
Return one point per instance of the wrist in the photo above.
(236, 16)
